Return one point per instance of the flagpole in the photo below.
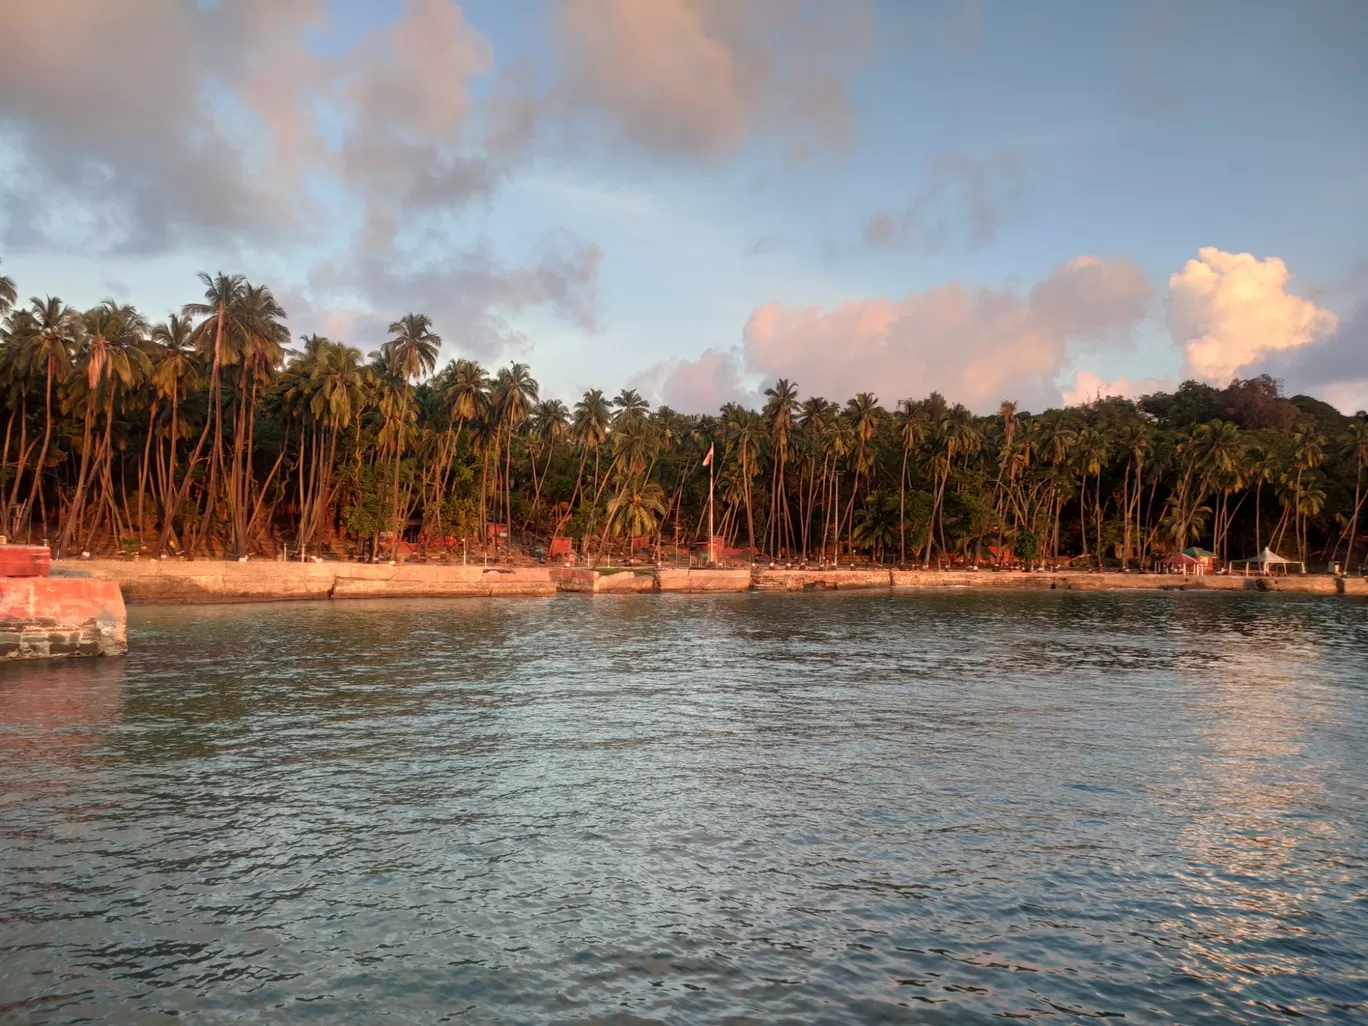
(712, 556)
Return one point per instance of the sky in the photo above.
(1038, 202)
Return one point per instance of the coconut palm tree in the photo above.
(222, 318)
(913, 427)
(550, 424)
(8, 295)
(745, 434)
(1090, 454)
(630, 406)
(110, 357)
(1308, 452)
(1355, 448)
(515, 392)
(781, 406)
(46, 339)
(589, 426)
(636, 509)
(408, 354)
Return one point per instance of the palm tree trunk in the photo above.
(144, 471)
(47, 439)
(79, 495)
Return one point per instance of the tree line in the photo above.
(213, 432)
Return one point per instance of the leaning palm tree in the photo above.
(410, 353)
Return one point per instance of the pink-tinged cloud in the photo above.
(977, 345)
(696, 386)
(1230, 310)
(698, 77)
(1087, 387)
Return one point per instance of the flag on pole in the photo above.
(707, 460)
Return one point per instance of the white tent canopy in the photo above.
(1267, 560)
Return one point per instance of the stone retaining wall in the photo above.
(207, 581)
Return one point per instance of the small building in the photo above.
(1179, 563)
(561, 546)
(1205, 557)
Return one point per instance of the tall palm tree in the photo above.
(110, 357)
(550, 424)
(410, 353)
(780, 408)
(515, 392)
(1308, 452)
(630, 406)
(1355, 447)
(1090, 454)
(745, 433)
(913, 427)
(864, 414)
(53, 331)
(589, 425)
(222, 317)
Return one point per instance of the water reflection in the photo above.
(751, 808)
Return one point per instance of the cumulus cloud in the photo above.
(978, 345)
(698, 77)
(1335, 369)
(1230, 310)
(960, 195)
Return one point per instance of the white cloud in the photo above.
(1229, 310)
(977, 345)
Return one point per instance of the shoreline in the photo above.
(210, 582)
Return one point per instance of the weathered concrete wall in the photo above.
(208, 581)
(702, 581)
(971, 579)
(624, 583)
(44, 618)
(215, 582)
(568, 579)
(811, 580)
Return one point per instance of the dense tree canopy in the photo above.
(212, 432)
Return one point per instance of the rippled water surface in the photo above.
(829, 808)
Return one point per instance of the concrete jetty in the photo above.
(45, 617)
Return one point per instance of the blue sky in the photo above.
(695, 196)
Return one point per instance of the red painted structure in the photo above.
(45, 617)
(25, 560)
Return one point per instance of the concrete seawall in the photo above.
(167, 581)
(47, 618)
